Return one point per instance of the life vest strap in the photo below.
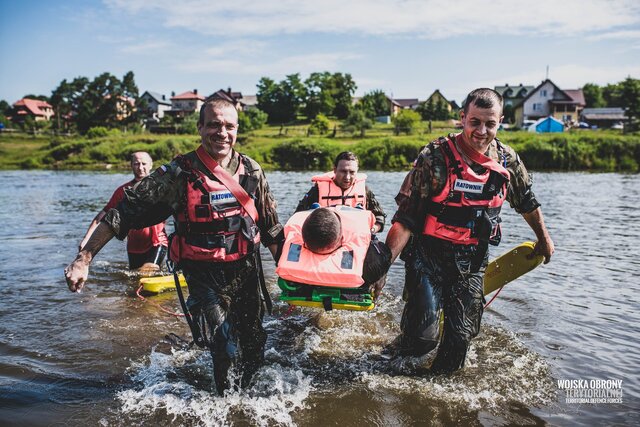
(228, 181)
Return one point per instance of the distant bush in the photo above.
(405, 121)
(97, 132)
(320, 125)
(250, 120)
(315, 154)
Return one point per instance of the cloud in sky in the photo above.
(432, 19)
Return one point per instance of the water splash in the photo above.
(168, 384)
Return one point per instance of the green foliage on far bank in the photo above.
(275, 150)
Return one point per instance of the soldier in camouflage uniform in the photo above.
(445, 258)
(224, 293)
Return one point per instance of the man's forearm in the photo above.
(536, 222)
(397, 239)
(92, 227)
(100, 236)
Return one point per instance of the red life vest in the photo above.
(341, 268)
(329, 194)
(214, 226)
(468, 207)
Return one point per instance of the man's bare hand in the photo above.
(76, 273)
(544, 247)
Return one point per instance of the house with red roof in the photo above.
(186, 103)
(26, 107)
(549, 100)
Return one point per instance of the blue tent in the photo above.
(547, 124)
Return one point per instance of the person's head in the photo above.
(218, 127)
(345, 168)
(141, 164)
(481, 117)
(321, 231)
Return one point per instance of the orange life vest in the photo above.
(214, 226)
(343, 267)
(468, 207)
(329, 194)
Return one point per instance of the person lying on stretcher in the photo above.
(334, 247)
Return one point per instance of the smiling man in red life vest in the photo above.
(147, 247)
(343, 186)
(448, 213)
(223, 209)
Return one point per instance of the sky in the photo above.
(407, 48)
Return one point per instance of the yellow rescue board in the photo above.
(157, 284)
(509, 266)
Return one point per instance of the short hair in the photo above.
(345, 155)
(139, 152)
(215, 103)
(321, 230)
(483, 98)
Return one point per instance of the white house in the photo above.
(157, 104)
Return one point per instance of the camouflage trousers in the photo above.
(226, 304)
(444, 304)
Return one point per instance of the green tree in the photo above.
(375, 104)
(250, 120)
(103, 101)
(189, 125)
(441, 110)
(612, 95)
(281, 101)
(319, 98)
(509, 114)
(357, 121)
(320, 125)
(66, 99)
(44, 98)
(593, 96)
(406, 121)
(343, 89)
(427, 110)
(630, 97)
(4, 107)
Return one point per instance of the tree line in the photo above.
(107, 101)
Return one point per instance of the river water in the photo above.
(100, 358)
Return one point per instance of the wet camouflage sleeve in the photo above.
(309, 198)
(519, 193)
(149, 202)
(374, 206)
(271, 230)
(427, 177)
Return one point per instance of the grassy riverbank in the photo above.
(291, 149)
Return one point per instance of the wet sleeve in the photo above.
(374, 206)
(309, 198)
(519, 191)
(116, 198)
(149, 202)
(271, 230)
(427, 177)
